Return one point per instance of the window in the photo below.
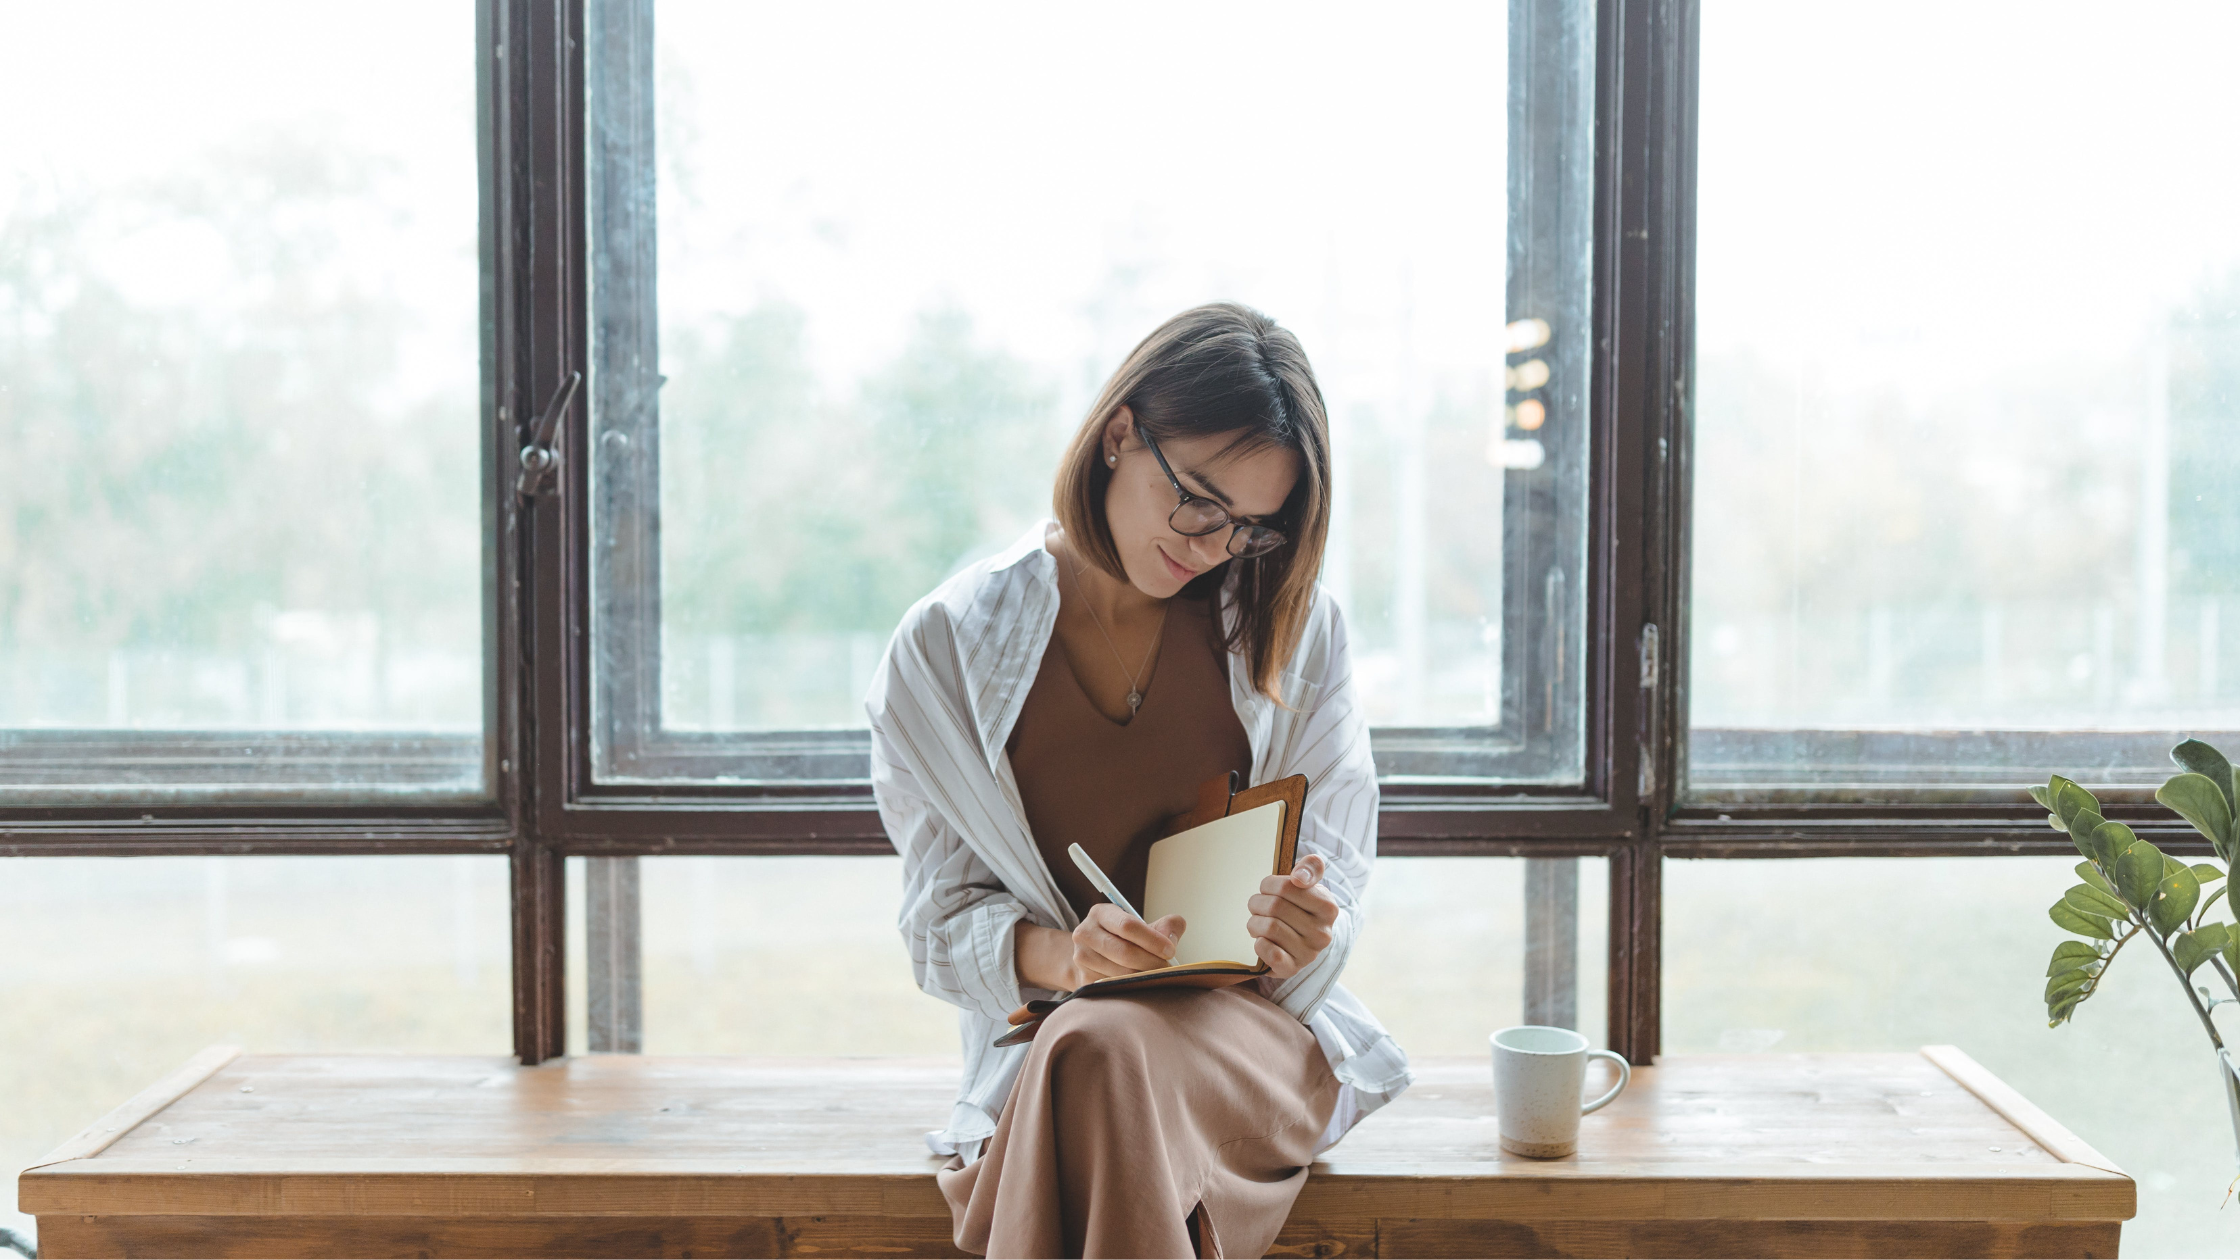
(1717, 565)
(116, 971)
(241, 539)
(1767, 957)
(1968, 369)
(858, 270)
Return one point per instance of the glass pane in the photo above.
(860, 268)
(799, 955)
(1966, 393)
(118, 970)
(1891, 954)
(240, 539)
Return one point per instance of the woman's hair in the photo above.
(1225, 370)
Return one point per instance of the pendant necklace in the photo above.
(1135, 691)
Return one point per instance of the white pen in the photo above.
(1111, 891)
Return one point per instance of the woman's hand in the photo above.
(1291, 918)
(1109, 942)
(1112, 942)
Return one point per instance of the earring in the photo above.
(1113, 460)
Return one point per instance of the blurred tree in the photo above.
(783, 510)
(207, 420)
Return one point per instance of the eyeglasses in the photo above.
(1194, 517)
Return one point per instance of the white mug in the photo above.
(1538, 1075)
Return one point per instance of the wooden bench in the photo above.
(374, 1155)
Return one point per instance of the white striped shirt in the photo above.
(942, 705)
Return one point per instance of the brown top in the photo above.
(1109, 788)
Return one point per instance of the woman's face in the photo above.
(1251, 485)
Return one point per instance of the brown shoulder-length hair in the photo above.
(1227, 370)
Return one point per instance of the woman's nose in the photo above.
(1211, 549)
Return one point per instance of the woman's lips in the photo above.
(1180, 574)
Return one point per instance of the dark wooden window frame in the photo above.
(537, 590)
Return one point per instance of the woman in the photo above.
(1077, 688)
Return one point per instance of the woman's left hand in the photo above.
(1291, 918)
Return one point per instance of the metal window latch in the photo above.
(540, 459)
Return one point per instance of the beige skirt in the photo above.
(1167, 1123)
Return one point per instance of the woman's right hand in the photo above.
(1109, 942)
(1112, 942)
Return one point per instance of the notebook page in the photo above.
(1206, 875)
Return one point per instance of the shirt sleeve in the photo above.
(1327, 740)
(957, 917)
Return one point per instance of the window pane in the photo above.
(1968, 373)
(799, 955)
(884, 255)
(240, 539)
(117, 970)
(1891, 954)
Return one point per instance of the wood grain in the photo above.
(341, 1237)
(103, 1133)
(622, 1154)
(2015, 1109)
(1804, 1238)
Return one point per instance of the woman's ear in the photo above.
(1117, 431)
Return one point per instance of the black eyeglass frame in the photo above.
(1241, 532)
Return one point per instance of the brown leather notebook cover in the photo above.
(1217, 798)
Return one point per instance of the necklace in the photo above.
(1135, 690)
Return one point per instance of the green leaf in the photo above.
(2070, 955)
(2209, 764)
(2043, 796)
(2054, 821)
(2084, 832)
(2090, 874)
(2171, 866)
(2089, 900)
(2066, 983)
(2211, 899)
(2138, 871)
(2174, 899)
(2206, 873)
(2199, 800)
(2074, 920)
(2058, 1013)
(2214, 934)
(2069, 800)
(2232, 949)
(2191, 951)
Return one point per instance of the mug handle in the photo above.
(1625, 1074)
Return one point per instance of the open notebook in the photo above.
(1210, 863)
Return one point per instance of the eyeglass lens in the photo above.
(1196, 518)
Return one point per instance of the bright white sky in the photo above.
(1981, 185)
(99, 97)
(871, 161)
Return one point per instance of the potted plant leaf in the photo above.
(2132, 890)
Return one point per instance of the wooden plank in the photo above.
(383, 1188)
(820, 1237)
(2017, 1110)
(1720, 1137)
(344, 1238)
(868, 1115)
(1325, 1239)
(817, 1237)
(1800, 1238)
(350, 1237)
(101, 1134)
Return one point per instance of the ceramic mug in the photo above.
(1538, 1075)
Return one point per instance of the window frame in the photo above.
(545, 806)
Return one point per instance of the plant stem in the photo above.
(2092, 986)
(2217, 961)
(2184, 982)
